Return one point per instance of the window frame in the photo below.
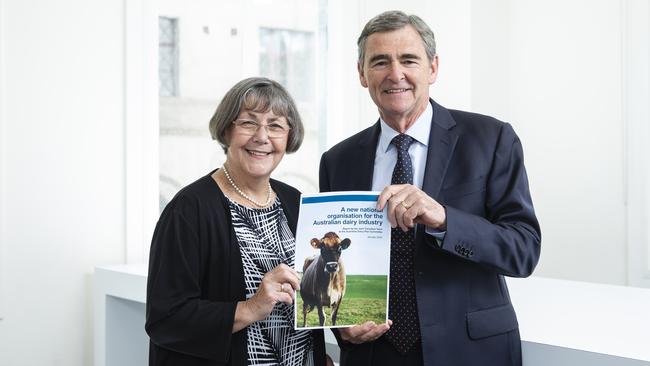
(636, 117)
(173, 22)
(141, 122)
(140, 127)
(3, 154)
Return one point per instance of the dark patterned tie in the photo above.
(402, 306)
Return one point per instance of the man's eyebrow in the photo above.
(378, 58)
(409, 56)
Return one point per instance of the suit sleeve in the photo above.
(178, 319)
(508, 238)
(323, 175)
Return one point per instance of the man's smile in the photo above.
(395, 91)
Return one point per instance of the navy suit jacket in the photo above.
(475, 168)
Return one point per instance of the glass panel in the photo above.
(208, 47)
(167, 60)
(294, 72)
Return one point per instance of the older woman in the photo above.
(221, 280)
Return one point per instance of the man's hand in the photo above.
(409, 205)
(366, 332)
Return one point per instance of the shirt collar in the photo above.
(419, 130)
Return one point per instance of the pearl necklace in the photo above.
(268, 198)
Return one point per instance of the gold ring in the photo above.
(282, 287)
(405, 205)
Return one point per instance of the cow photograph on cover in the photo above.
(323, 278)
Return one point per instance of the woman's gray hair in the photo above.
(393, 20)
(259, 95)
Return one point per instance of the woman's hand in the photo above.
(278, 285)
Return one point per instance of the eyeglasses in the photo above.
(274, 129)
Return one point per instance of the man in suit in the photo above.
(457, 197)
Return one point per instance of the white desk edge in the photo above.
(604, 319)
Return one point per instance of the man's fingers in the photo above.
(399, 212)
(390, 213)
(387, 193)
(409, 217)
(384, 196)
(354, 334)
(395, 199)
(402, 206)
(411, 212)
(395, 209)
(373, 332)
(366, 327)
(366, 332)
(346, 334)
(378, 331)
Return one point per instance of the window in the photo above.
(167, 57)
(203, 51)
(287, 57)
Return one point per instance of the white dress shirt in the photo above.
(386, 156)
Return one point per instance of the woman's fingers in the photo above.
(278, 285)
(286, 298)
(283, 274)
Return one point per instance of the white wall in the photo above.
(553, 70)
(63, 176)
(575, 136)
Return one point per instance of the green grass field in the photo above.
(364, 300)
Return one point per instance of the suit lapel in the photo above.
(442, 141)
(365, 160)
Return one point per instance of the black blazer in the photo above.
(196, 278)
(474, 168)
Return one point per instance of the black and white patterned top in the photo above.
(265, 241)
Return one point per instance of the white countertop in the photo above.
(608, 319)
(605, 319)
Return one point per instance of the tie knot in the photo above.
(402, 142)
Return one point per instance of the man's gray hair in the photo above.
(393, 20)
(259, 95)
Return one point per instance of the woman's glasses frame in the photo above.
(274, 130)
